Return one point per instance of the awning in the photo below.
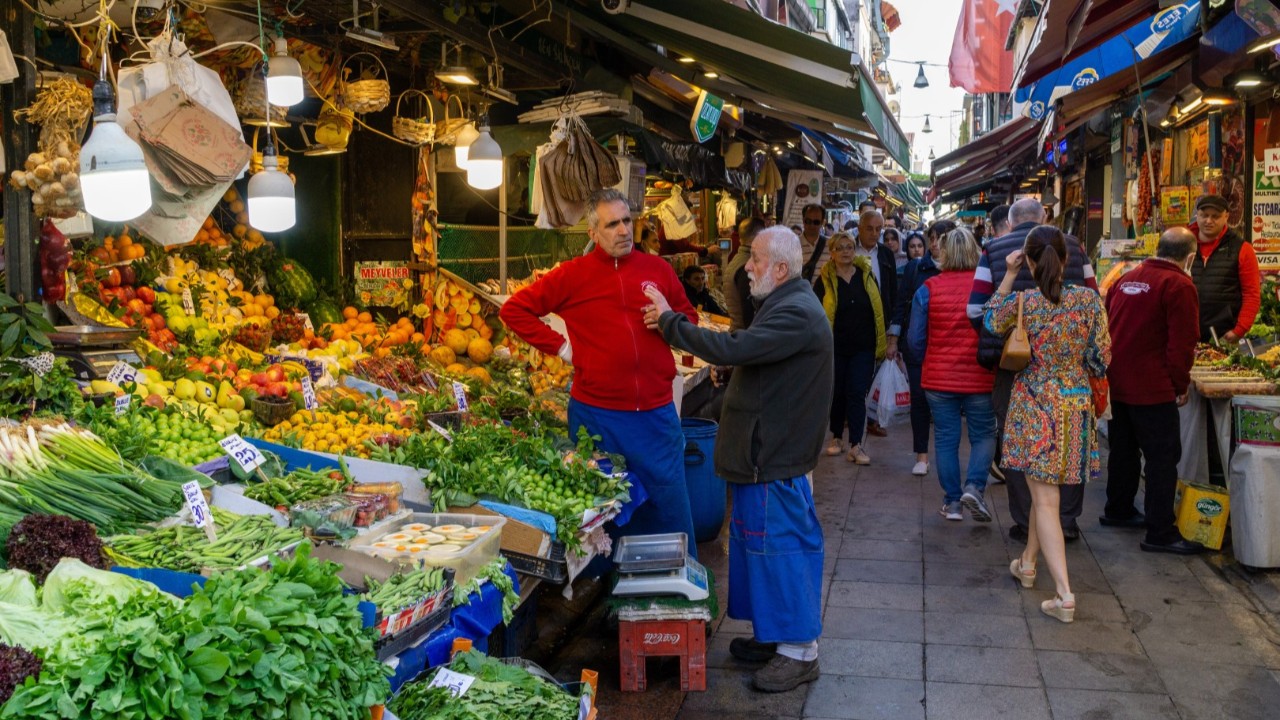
(981, 172)
(1099, 95)
(986, 147)
(1117, 55)
(1068, 28)
(843, 163)
(767, 67)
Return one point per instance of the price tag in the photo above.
(242, 452)
(73, 287)
(444, 433)
(188, 303)
(460, 393)
(306, 321)
(227, 274)
(456, 682)
(200, 514)
(309, 393)
(122, 403)
(122, 372)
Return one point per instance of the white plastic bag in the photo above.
(890, 397)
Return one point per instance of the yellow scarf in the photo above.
(830, 290)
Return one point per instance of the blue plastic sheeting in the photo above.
(475, 622)
(544, 522)
(1120, 53)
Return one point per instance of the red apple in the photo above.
(259, 379)
(275, 373)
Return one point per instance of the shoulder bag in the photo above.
(1017, 348)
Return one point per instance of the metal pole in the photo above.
(21, 261)
(502, 231)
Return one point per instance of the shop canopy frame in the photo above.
(977, 155)
(767, 68)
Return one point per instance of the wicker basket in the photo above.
(250, 100)
(447, 129)
(368, 94)
(412, 130)
(272, 411)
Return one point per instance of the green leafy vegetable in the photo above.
(501, 692)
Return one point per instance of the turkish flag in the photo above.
(979, 63)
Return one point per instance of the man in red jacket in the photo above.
(1153, 314)
(622, 383)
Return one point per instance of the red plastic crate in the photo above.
(641, 639)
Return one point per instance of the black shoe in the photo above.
(1136, 520)
(752, 650)
(1177, 547)
(875, 430)
(783, 674)
(996, 473)
(1019, 533)
(1070, 534)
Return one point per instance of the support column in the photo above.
(22, 265)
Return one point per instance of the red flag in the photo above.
(979, 63)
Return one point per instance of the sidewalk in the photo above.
(921, 619)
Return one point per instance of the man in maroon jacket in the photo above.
(1154, 320)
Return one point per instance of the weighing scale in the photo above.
(658, 565)
(92, 351)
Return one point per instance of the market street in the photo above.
(923, 621)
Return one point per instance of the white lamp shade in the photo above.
(113, 174)
(462, 145)
(284, 77)
(484, 162)
(271, 200)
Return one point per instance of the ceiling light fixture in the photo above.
(271, 204)
(373, 35)
(484, 160)
(284, 77)
(932, 156)
(1246, 79)
(456, 74)
(1191, 106)
(927, 128)
(686, 60)
(921, 80)
(1218, 98)
(462, 144)
(711, 74)
(1263, 44)
(114, 179)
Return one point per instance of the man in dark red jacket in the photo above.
(1153, 314)
(622, 381)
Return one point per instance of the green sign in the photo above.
(706, 116)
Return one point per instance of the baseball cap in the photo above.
(1212, 201)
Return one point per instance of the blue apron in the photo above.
(652, 442)
(775, 560)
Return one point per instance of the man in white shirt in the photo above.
(813, 244)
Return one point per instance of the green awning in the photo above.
(782, 71)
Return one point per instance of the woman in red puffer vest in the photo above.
(953, 381)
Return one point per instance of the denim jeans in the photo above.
(947, 408)
(853, 376)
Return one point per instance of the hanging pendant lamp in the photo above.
(921, 80)
(484, 160)
(114, 179)
(271, 204)
(284, 77)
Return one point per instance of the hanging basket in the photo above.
(250, 101)
(255, 163)
(418, 132)
(370, 93)
(447, 129)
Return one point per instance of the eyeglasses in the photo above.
(807, 221)
(842, 248)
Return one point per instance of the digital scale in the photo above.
(658, 565)
(92, 351)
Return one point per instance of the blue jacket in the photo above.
(913, 276)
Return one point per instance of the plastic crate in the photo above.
(511, 640)
(391, 646)
(554, 568)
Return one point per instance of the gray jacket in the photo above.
(776, 407)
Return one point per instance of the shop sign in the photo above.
(1265, 231)
(803, 187)
(706, 116)
(1272, 162)
(1095, 209)
(383, 283)
(1175, 205)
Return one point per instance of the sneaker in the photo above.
(996, 475)
(752, 650)
(920, 468)
(972, 499)
(951, 511)
(874, 429)
(835, 447)
(784, 673)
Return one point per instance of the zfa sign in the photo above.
(706, 116)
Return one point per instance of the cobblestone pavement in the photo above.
(921, 620)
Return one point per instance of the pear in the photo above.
(205, 392)
(184, 389)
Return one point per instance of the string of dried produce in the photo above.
(52, 173)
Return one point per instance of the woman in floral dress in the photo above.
(1050, 431)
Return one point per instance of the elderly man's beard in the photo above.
(761, 287)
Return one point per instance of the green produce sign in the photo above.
(706, 116)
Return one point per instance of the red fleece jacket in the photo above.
(1154, 317)
(619, 364)
(1250, 279)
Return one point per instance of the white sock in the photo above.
(804, 652)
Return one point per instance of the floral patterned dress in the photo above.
(1050, 431)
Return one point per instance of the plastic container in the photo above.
(706, 489)
(554, 568)
(466, 563)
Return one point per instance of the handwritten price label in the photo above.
(195, 502)
(460, 393)
(444, 433)
(188, 302)
(122, 372)
(309, 393)
(122, 404)
(306, 321)
(238, 449)
(455, 682)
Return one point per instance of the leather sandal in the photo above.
(1060, 608)
(1021, 574)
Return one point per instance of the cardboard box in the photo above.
(1202, 513)
(516, 536)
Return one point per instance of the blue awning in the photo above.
(1160, 32)
(845, 164)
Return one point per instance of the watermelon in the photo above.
(292, 284)
(323, 312)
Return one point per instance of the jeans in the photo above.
(1150, 433)
(1071, 502)
(920, 417)
(853, 376)
(947, 409)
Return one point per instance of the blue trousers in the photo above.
(947, 409)
(652, 443)
(775, 560)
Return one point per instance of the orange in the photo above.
(365, 317)
(349, 312)
(208, 223)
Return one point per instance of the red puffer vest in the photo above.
(951, 358)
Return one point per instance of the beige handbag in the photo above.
(1017, 348)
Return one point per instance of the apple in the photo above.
(259, 379)
(275, 373)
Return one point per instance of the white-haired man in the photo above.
(771, 432)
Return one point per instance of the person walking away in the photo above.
(622, 373)
(955, 384)
(914, 275)
(734, 284)
(695, 288)
(1050, 432)
(770, 440)
(813, 243)
(1154, 324)
(1225, 270)
(1025, 215)
(1000, 221)
(851, 302)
